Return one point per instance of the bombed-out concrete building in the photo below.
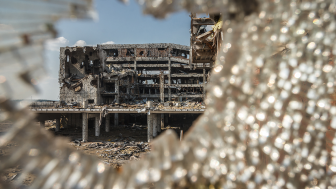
(109, 85)
(110, 74)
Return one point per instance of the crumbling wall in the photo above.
(122, 73)
(78, 75)
(88, 91)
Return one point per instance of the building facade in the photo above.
(113, 74)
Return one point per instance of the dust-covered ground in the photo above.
(122, 144)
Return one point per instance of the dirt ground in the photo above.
(122, 144)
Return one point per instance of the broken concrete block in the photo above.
(167, 104)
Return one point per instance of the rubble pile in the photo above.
(118, 150)
(180, 105)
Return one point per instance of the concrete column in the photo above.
(204, 80)
(162, 122)
(97, 125)
(42, 124)
(116, 87)
(128, 89)
(85, 129)
(116, 119)
(58, 124)
(155, 124)
(85, 103)
(169, 80)
(107, 123)
(159, 118)
(162, 87)
(150, 127)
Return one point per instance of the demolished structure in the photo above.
(160, 80)
(112, 74)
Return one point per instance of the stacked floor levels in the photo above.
(155, 80)
(111, 73)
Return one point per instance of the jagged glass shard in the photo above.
(272, 133)
(25, 25)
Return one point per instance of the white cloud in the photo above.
(108, 42)
(55, 44)
(80, 43)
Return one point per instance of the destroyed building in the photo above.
(112, 74)
(120, 84)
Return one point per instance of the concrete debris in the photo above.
(120, 151)
(113, 74)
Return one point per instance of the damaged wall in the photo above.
(131, 73)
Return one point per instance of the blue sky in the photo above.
(117, 23)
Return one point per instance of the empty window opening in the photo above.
(73, 60)
(67, 58)
(110, 87)
(123, 90)
(96, 63)
(90, 101)
(130, 52)
(141, 53)
(112, 52)
(94, 83)
(161, 49)
(90, 53)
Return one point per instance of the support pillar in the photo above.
(155, 125)
(97, 125)
(161, 87)
(159, 122)
(204, 80)
(150, 127)
(57, 124)
(85, 129)
(116, 119)
(169, 80)
(116, 87)
(107, 123)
